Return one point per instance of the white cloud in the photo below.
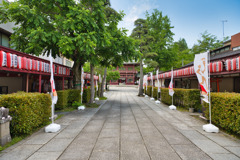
(135, 12)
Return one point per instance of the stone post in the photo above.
(5, 119)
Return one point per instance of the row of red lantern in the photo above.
(215, 67)
(88, 76)
(232, 64)
(13, 61)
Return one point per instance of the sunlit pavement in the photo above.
(126, 127)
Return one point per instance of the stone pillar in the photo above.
(5, 119)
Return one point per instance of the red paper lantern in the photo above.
(15, 60)
(3, 59)
(214, 67)
(42, 66)
(38, 65)
(186, 72)
(228, 65)
(45, 67)
(25, 63)
(238, 63)
(233, 64)
(20, 62)
(210, 68)
(57, 69)
(30, 66)
(9, 60)
(34, 65)
(219, 66)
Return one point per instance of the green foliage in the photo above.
(207, 42)
(184, 56)
(165, 97)
(188, 98)
(29, 111)
(73, 95)
(161, 51)
(155, 92)
(62, 100)
(113, 75)
(149, 91)
(86, 95)
(225, 111)
(75, 104)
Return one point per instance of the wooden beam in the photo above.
(27, 82)
(39, 83)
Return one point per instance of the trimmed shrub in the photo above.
(29, 111)
(86, 95)
(165, 97)
(155, 92)
(225, 111)
(188, 98)
(62, 99)
(73, 95)
(149, 91)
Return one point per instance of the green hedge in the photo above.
(225, 111)
(188, 98)
(28, 110)
(149, 91)
(62, 99)
(73, 95)
(86, 94)
(155, 92)
(68, 97)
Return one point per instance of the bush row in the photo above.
(225, 111)
(28, 110)
(68, 97)
(189, 98)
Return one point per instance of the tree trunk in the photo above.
(76, 75)
(92, 84)
(140, 92)
(103, 82)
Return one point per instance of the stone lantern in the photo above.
(5, 119)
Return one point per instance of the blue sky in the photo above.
(189, 17)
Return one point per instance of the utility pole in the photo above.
(223, 21)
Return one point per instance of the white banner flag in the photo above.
(151, 77)
(146, 82)
(201, 70)
(158, 82)
(82, 81)
(171, 91)
(96, 85)
(54, 92)
(100, 78)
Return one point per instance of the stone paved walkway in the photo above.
(126, 127)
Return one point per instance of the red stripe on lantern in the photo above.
(3, 58)
(233, 64)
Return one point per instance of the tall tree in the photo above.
(161, 52)
(207, 42)
(121, 49)
(61, 27)
(140, 33)
(184, 56)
